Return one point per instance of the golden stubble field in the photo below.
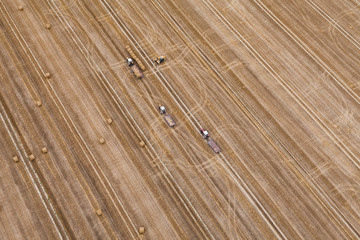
(85, 153)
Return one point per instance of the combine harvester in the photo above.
(134, 68)
(167, 117)
(205, 134)
(160, 60)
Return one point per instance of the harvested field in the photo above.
(86, 154)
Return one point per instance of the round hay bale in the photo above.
(38, 103)
(142, 67)
(109, 121)
(20, 8)
(31, 157)
(99, 212)
(16, 159)
(101, 141)
(47, 75)
(141, 230)
(142, 143)
(44, 150)
(48, 25)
